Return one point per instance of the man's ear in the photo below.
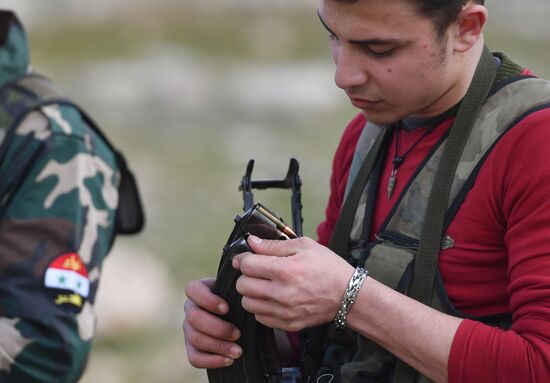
(469, 26)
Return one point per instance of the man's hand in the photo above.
(210, 341)
(292, 284)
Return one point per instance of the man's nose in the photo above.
(349, 71)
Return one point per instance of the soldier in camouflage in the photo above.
(58, 202)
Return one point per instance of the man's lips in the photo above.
(362, 103)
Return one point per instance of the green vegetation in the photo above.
(228, 32)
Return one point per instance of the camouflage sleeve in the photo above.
(57, 209)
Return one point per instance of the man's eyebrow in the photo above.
(376, 41)
(373, 41)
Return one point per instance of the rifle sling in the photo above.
(432, 230)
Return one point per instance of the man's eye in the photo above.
(379, 51)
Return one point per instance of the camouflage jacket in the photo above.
(58, 198)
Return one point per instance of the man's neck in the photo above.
(463, 69)
(412, 122)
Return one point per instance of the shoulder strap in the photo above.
(432, 230)
(340, 236)
(25, 94)
(372, 138)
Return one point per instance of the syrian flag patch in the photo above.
(67, 277)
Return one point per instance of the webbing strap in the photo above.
(316, 336)
(340, 236)
(432, 229)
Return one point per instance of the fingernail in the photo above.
(222, 308)
(228, 361)
(236, 262)
(236, 334)
(235, 352)
(254, 239)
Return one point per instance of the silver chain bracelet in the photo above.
(349, 297)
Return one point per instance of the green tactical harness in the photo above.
(404, 254)
(23, 95)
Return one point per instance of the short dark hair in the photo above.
(442, 12)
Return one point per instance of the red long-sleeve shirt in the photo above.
(501, 259)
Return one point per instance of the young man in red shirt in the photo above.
(408, 65)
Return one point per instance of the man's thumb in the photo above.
(277, 248)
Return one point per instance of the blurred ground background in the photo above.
(190, 90)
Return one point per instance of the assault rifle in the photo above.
(259, 362)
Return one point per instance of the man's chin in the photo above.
(379, 118)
